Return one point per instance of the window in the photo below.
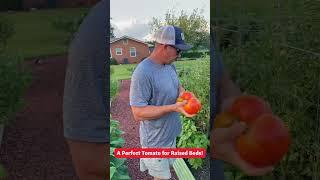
(133, 52)
(125, 41)
(118, 51)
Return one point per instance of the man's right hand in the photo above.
(179, 108)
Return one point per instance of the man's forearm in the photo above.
(152, 112)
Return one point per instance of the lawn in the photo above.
(35, 36)
(122, 71)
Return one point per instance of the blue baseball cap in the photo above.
(172, 35)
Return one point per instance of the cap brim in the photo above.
(183, 47)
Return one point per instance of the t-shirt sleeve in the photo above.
(140, 89)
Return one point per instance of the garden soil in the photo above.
(33, 146)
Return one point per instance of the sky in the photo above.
(131, 17)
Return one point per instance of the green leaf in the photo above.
(112, 171)
(119, 162)
(117, 143)
(123, 177)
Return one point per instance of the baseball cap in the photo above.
(172, 35)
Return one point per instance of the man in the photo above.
(153, 93)
(85, 104)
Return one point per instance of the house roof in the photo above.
(127, 37)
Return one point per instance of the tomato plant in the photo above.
(195, 130)
(259, 61)
(118, 168)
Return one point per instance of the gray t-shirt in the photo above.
(85, 93)
(157, 85)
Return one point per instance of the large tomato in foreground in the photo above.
(248, 108)
(266, 140)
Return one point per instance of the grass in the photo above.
(122, 72)
(35, 36)
(119, 72)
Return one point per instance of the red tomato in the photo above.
(248, 108)
(186, 95)
(193, 106)
(265, 142)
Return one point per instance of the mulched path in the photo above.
(33, 147)
(121, 111)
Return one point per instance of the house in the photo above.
(127, 50)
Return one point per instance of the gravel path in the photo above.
(121, 111)
(33, 147)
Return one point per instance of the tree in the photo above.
(111, 30)
(195, 27)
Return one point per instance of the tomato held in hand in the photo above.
(244, 108)
(265, 142)
(186, 95)
(193, 106)
(248, 108)
(266, 139)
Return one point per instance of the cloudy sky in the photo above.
(131, 17)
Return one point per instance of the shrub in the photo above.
(113, 61)
(6, 31)
(194, 54)
(15, 78)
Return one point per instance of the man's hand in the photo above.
(179, 108)
(223, 148)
